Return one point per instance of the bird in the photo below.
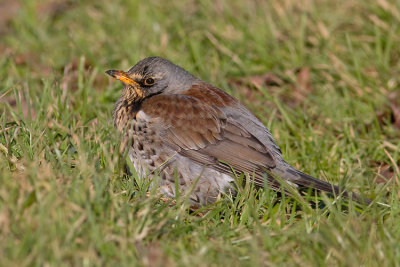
(185, 134)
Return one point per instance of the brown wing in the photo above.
(203, 133)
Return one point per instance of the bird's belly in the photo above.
(144, 164)
(204, 185)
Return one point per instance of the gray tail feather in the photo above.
(304, 180)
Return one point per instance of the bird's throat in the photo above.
(126, 107)
(132, 94)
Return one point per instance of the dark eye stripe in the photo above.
(145, 69)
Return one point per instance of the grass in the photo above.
(65, 198)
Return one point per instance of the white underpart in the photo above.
(142, 116)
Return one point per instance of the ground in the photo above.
(322, 75)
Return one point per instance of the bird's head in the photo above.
(153, 76)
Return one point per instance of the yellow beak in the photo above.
(123, 77)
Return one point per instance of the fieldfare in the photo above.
(183, 131)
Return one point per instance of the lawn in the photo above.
(322, 75)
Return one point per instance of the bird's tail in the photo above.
(303, 180)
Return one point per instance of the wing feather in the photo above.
(206, 135)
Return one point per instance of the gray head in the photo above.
(154, 75)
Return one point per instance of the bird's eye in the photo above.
(149, 81)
